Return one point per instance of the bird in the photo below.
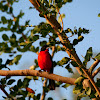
(45, 63)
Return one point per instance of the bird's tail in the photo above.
(51, 84)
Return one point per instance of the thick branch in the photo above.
(28, 72)
(94, 65)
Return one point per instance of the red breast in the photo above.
(44, 60)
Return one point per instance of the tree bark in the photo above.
(28, 72)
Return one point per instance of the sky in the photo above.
(79, 13)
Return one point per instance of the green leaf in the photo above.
(69, 69)
(75, 31)
(3, 19)
(22, 92)
(19, 83)
(13, 42)
(8, 62)
(20, 98)
(78, 88)
(75, 42)
(59, 48)
(26, 82)
(88, 56)
(42, 43)
(57, 84)
(99, 15)
(46, 89)
(21, 29)
(3, 81)
(32, 48)
(10, 22)
(15, 88)
(31, 8)
(20, 14)
(27, 46)
(79, 80)
(35, 30)
(88, 91)
(49, 98)
(66, 85)
(81, 95)
(80, 30)
(96, 94)
(11, 10)
(10, 81)
(61, 17)
(16, 59)
(5, 7)
(76, 91)
(98, 82)
(5, 37)
(98, 56)
(13, 36)
(85, 31)
(64, 99)
(36, 61)
(38, 96)
(35, 77)
(64, 60)
(13, 93)
(0, 61)
(37, 49)
(80, 38)
(21, 39)
(35, 37)
(23, 43)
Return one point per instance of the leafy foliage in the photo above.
(63, 61)
(98, 56)
(99, 15)
(88, 56)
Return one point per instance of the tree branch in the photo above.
(44, 85)
(28, 72)
(2, 88)
(71, 52)
(96, 72)
(93, 66)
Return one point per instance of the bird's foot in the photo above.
(40, 71)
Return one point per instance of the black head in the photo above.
(44, 48)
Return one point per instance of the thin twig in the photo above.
(43, 93)
(24, 37)
(61, 20)
(2, 88)
(53, 49)
(96, 72)
(93, 66)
